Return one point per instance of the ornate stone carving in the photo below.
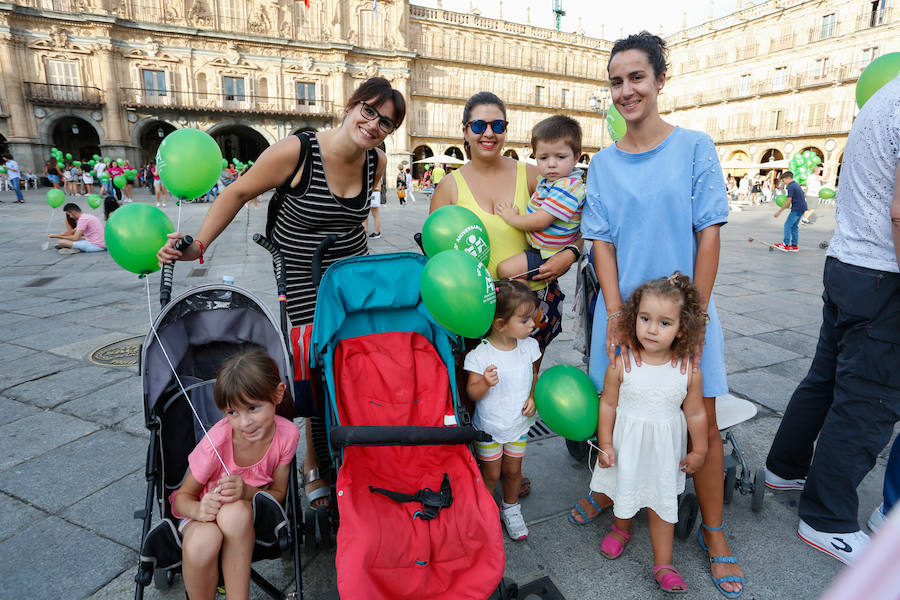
(232, 54)
(371, 68)
(199, 14)
(59, 37)
(151, 47)
(260, 22)
(306, 62)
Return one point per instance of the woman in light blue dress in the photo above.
(655, 202)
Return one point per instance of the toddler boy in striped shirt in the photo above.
(553, 216)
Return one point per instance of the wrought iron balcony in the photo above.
(58, 94)
(225, 103)
(873, 18)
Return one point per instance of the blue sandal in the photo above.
(719, 559)
(584, 516)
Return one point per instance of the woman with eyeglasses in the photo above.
(324, 184)
(489, 179)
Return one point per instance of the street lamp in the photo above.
(74, 129)
(599, 102)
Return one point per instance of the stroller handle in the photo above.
(277, 258)
(373, 435)
(319, 255)
(165, 283)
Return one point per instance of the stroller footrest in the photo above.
(374, 435)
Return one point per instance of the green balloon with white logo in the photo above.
(615, 124)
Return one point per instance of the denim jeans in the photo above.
(16, 186)
(850, 399)
(892, 478)
(791, 228)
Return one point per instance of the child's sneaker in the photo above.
(876, 519)
(515, 524)
(846, 547)
(782, 247)
(793, 249)
(775, 482)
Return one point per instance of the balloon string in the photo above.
(598, 449)
(49, 220)
(178, 379)
(535, 270)
(178, 225)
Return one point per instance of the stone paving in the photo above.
(73, 443)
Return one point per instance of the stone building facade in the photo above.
(115, 76)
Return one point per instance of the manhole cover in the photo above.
(540, 431)
(123, 353)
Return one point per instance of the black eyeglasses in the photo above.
(479, 126)
(370, 114)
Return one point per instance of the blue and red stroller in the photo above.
(416, 520)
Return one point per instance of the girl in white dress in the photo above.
(502, 373)
(645, 417)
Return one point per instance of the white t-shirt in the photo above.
(12, 169)
(499, 412)
(88, 177)
(813, 185)
(862, 236)
(99, 168)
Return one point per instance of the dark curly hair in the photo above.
(651, 45)
(678, 288)
(511, 294)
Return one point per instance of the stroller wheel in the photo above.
(309, 531)
(578, 450)
(759, 490)
(730, 481)
(323, 517)
(688, 508)
(163, 579)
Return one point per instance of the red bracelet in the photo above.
(202, 250)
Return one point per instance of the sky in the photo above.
(650, 14)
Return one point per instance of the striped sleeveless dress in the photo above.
(309, 212)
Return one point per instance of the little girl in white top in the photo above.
(645, 417)
(502, 372)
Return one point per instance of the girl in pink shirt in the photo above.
(257, 447)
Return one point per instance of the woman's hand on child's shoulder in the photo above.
(693, 462)
(490, 376)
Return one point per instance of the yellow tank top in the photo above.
(505, 240)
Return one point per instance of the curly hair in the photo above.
(511, 294)
(678, 288)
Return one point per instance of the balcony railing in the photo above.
(748, 51)
(217, 102)
(815, 78)
(874, 18)
(54, 93)
(851, 72)
(822, 32)
(785, 42)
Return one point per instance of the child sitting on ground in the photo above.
(502, 372)
(645, 416)
(554, 211)
(214, 502)
(796, 201)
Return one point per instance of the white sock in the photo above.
(504, 505)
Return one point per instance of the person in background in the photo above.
(14, 175)
(88, 234)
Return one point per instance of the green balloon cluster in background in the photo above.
(615, 124)
(879, 72)
(189, 163)
(458, 228)
(134, 234)
(459, 293)
(567, 401)
(801, 165)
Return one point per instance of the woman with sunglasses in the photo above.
(324, 184)
(490, 179)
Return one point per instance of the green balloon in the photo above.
(129, 175)
(780, 199)
(55, 197)
(2, 169)
(96, 157)
(54, 150)
(134, 234)
(567, 401)
(189, 163)
(76, 163)
(60, 165)
(94, 200)
(250, 162)
(826, 193)
(459, 293)
(880, 71)
(458, 228)
(119, 181)
(224, 163)
(615, 124)
(68, 156)
(104, 177)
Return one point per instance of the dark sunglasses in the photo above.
(370, 114)
(479, 126)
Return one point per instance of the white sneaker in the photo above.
(846, 547)
(775, 482)
(876, 519)
(157, 203)
(515, 524)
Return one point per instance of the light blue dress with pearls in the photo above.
(650, 205)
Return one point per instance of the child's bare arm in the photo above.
(188, 501)
(539, 219)
(530, 408)
(695, 415)
(232, 487)
(609, 401)
(478, 384)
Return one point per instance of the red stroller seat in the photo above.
(386, 549)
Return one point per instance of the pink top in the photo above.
(92, 229)
(113, 171)
(206, 468)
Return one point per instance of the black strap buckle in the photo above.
(432, 502)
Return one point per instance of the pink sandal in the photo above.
(670, 581)
(614, 543)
